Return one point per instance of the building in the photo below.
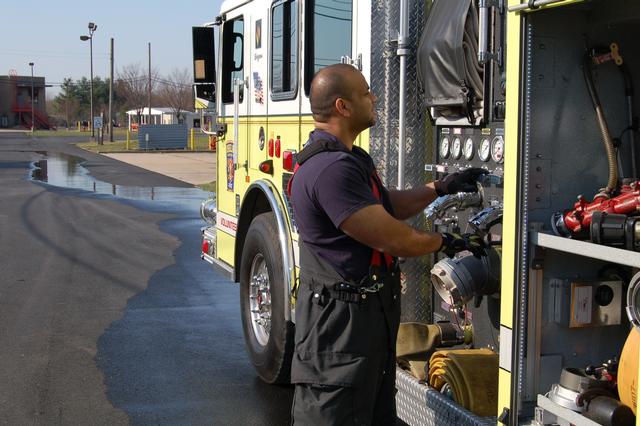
(161, 116)
(15, 102)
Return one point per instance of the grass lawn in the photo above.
(209, 187)
(118, 133)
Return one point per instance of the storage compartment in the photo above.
(576, 288)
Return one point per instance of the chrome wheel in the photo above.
(260, 299)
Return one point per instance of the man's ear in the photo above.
(342, 107)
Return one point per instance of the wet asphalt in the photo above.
(107, 314)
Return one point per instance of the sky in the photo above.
(47, 33)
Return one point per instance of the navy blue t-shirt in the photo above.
(327, 189)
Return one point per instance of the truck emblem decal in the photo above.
(230, 166)
(258, 33)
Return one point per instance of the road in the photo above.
(107, 314)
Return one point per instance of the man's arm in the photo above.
(410, 202)
(374, 227)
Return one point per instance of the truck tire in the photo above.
(268, 336)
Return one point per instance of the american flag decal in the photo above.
(257, 89)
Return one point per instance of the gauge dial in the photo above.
(484, 150)
(456, 148)
(497, 149)
(468, 149)
(444, 148)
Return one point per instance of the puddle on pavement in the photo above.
(67, 171)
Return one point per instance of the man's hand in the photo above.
(454, 243)
(464, 181)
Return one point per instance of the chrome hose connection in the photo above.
(209, 210)
(487, 218)
(462, 278)
(459, 201)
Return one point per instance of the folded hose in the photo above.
(471, 375)
(415, 338)
(415, 343)
(628, 370)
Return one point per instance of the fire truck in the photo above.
(540, 93)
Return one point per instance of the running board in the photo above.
(219, 265)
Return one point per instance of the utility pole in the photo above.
(149, 86)
(92, 28)
(111, 97)
(33, 117)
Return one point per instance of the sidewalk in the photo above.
(191, 167)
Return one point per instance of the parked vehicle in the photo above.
(539, 93)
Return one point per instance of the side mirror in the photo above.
(204, 69)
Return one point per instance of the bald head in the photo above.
(329, 84)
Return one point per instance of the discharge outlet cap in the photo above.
(458, 280)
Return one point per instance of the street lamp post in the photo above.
(33, 116)
(92, 27)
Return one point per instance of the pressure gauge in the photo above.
(456, 148)
(497, 149)
(484, 150)
(444, 148)
(468, 149)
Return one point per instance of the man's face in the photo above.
(363, 103)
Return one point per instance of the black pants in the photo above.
(344, 364)
(372, 403)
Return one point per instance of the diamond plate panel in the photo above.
(421, 405)
(385, 68)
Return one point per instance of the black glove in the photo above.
(464, 181)
(454, 243)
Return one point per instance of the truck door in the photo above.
(234, 103)
(361, 51)
(329, 38)
(283, 80)
(257, 93)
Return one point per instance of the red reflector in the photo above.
(205, 246)
(266, 167)
(270, 147)
(287, 160)
(278, 147)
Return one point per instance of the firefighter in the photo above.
(351, 231)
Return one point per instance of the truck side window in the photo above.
(328, 26)
(232, 56)
(284, 49)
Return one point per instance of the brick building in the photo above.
(15, 101)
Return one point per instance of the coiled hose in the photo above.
(612, 184)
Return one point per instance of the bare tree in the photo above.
(175, 92)
(132, 84)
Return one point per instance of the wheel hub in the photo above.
(260, 299)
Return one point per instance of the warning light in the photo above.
(289, 160)
(278, 146)
(271, 147)
(266, 167)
